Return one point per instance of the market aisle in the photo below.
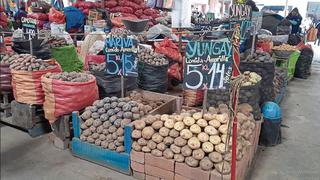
(298, 157)
(24, 158)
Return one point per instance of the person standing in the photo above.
(295, 18)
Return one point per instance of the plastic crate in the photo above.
(96, 154)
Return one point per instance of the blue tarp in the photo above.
(74, 18)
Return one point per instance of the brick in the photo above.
(137, 156)
(190, 172)
(215, 175)
(158, 172)
(137, 166)
(179, 177)
(148, 177)
(139, 175)
(160, 162)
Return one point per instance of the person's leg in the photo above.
(318, 40)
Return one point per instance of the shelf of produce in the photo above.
(104, 157)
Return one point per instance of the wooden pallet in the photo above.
(96, 154)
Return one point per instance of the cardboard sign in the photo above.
(208, 65)
(240, 12)
(121, 56)
(29, 26)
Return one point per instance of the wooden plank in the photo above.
(107, 158)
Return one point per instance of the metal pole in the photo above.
(31, 47)
(253, 40)
(122, 86)
(286, 8)
(205, 101)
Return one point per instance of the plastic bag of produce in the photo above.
(38, 16)
(5, 78)
(63, 97)
(68, 58)
(56, 16)
(169, 49)
(27, 86)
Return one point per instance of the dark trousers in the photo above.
(317, 40)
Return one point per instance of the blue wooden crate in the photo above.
(111, 159)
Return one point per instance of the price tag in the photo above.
(29, 26)
(208, 65)
(121, 56)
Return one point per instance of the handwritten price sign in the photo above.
(121, 56)
(208, 65)
(29, 26)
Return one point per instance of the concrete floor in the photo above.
(297, 158)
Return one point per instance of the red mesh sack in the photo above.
(56, 16)
(38, 16)
(169, 49)
(99, 59)
(63, 97)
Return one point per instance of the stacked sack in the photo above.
(41, 18)
(5, 77)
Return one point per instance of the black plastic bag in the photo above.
(111, 85)
(270, 133)
(39, 48)
(303, 65)
(153, 78)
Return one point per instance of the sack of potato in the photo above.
(153, 71)
(26, 71)
(193, 138)
(103, 123)
(5, 76)
(67, 92)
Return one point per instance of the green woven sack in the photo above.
(68, 58)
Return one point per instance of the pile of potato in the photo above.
(194, 138)
(103, 122)
(8, 58)
(150, 57)
(69, 76)
(258, 56)
(150, 104)
(251, 78)
(285, 47)
(57, 42)
(97, 67)
(27, 62)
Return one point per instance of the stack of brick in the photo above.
(137, 165)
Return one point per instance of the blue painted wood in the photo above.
(111, 159)
(127, 138)
(76, 124)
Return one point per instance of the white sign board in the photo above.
(181, 14)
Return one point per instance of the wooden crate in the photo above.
(96, 154)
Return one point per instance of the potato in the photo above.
(136, 134)
(83, 126)
(175, 149)
(188, 121)
(87, 132)
(190, 161)
(102, 137)
(194, 143)
(186, 134)
(99, 129)
(157, 138)
(104, 144)
(178, 117)
(224, 138)
(220, 148)
(207, 147)
(120, 149)
(206, 164)
(90, 139)
(142, 142)
(147, 132)
(114, 136)
(156, 152)
(86, 114)
(223, 108)
(197, 115)
(186, 151)
(215, 123)
(223, 167)
(120, 131)
(174, 133)
(161, 146)
(210, 130)
(164, 132)
(223, 129)
(95, 135)
(168, 141)
(245, 108)
(157, 125)
(146, 149)
(179, 141)
(164, 117)
(167, 153)
(150, 119)
(196, 129)
(215, 140)
(89, 122)
(112, 129)
(212, 110)
(139, 124)
(83, 138)
(228, 156)
(202, 123)
(169, 123)
(112, 146)
(136, 146)
(203, 137)
(198, 154)
(151, 144)
(208, 116)
(106, 124)
(215, 157)
(120, 139)
(222, 118)
(179, 126)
